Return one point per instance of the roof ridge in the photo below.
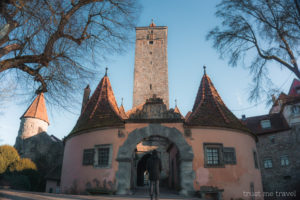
(114, 107)
(221, 111)
(215, 101)
(37, 105)
(98, 99)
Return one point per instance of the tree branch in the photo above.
(9, 48)
(37, 77)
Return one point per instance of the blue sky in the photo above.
(188, 23)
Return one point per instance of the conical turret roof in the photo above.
(101, 110)
(37, 109)
(210, 110)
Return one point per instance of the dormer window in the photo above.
(298, 90)
(265, 124)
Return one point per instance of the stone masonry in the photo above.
(151, 64)
(280, 178)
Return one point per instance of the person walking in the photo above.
(154, 169)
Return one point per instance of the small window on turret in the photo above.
(88, 157)
(150, 86)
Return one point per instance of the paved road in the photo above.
(21, 195)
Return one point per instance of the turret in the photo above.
(35, 119)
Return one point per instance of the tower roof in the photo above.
(101, 110)
(37, 109)
(152, 24)
(210, 110)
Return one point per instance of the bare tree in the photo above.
(297, 3)
(257, 33)
(45, 43)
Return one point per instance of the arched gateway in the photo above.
(124, 156)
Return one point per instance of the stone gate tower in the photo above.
(151, 64)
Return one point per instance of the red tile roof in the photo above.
(277, 121)
(188, 115)
(122, 112)
(210, 110)
(135, 109)
(101, 110)
(283, 100)
(37, 109)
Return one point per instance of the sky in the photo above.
(188, 50)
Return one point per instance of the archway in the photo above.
(141, 168)
(124, 156)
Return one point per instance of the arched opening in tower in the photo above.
(142, 175)
(169, 156)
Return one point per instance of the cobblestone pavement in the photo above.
(21, 195)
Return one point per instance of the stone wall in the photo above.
(151, 65)
(272, 146)
(42, 149)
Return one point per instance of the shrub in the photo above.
(2, 165)
(18, 173)
(8, 155)
(18, 182)
(22, 164)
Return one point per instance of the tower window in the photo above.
(150, 86)
(151, 42)
(151, 52)
(151, 62)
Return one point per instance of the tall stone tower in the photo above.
(151, 64)
(35, 119)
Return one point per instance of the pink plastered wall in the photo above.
(75, 176)
(234, 179)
